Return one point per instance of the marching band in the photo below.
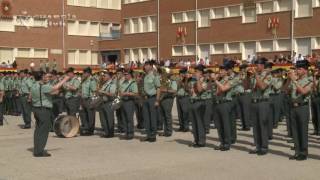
(260, 96)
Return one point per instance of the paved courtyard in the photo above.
(169, 158)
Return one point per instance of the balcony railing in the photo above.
(110, 36)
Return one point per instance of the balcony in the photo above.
(114, 35)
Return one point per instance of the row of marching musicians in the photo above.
(259, 95)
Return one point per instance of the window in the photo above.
(266, 46)
(70, 2)
(83, 28)
(104, 28)
(177, 51)
(284, 45)
(234, 48)
(126, 26)
(234, 11)
(204, 51)
(152, 53)
(177, 17)
(218, 13)
(304, 8)
(190, 16)
(81, 3)
(23, 52)
(24, 21)
(153, 23)
(304, 46)
(249, 15)
(135, 25)
(266, 7)
(218, 48)
(144, 54)
(6, 54)
(94, 29)
(126, 55)
(144, 24)
(83, 59)
(94, 58)
(72, 28)
(190, 50)
(6, 25)
(40, 53)
(204, 20)
(104, 3)
(93, 3)
(71, 57)
(318, 43)
(135, 55)
(249, 49)
(284, 5)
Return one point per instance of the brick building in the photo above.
(131, 30)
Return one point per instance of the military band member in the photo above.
(119, 80)
(168, 92)
(128, 92)
(301, 87)
(268, 68)
(108, 93)
(139, 100)
(87, 113)
(24, 91)
(224, 106)
(196, 114)
(71, 88)
(41, 92)
(2, 94)
(208, 114)
(275, 97)
(260, 107)
(183, 101)
(316, 101)
(244, 98)
(151, 86)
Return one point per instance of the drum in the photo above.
(66, 126)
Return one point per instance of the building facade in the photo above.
(206, 29)
(66, 31)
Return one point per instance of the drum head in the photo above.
(67, 126)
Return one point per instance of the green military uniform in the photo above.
(120, 123)
(16, 97)
(9, 95)
(139, 103)
(244, 99)
(300, 116)
(151, 83)
(183, 104)
(2, 88)
(260, 113)
(106, 112)
(166, 105)
(24, 91)
(275, 102)
(42, 105)
(196, 115)
(87, 114)
(127, 109)
(72, 100)
(208, 114)
(316, 108)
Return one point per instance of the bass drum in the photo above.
(66, 126)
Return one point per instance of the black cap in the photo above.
(183, 71)
(243, 66)
(302, 64)
(87, 70)
(227, 65)
(262, 60)
(70, 69)
(268, 65)
(128, 71)
(200, 67)
(208, 71)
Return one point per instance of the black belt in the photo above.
(260, 100)
(274, 94)
(152, 96)
(42, 108)
(298, 104)
(221, 101)
(196, 100)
